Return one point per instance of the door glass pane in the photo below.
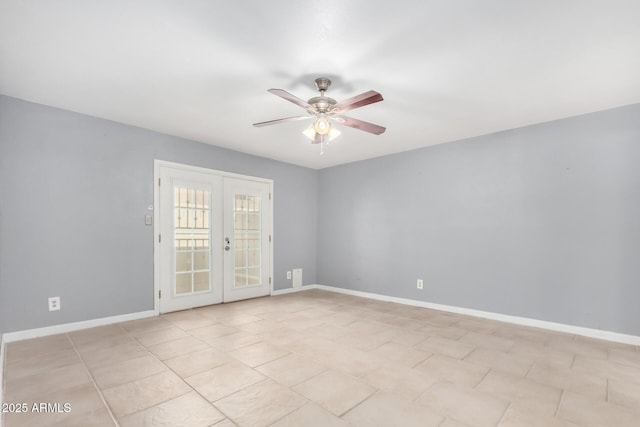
(253, 276)
(201, 281)
(183, 283)
(201, 260)
(183, 261)
(247, 246)
(191, 240)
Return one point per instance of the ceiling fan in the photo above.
(326, 110)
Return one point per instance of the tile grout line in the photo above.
(291, 388)
(483, 377)
(93, 381)
(526, 375)
(560, 404)
(469, 354)
(267, 362)
(171, 370)
(359, 403)
(504, 414)
(414, 366)
(299, 394)
(228, 417)
(187, 383)
(422, 361)
(414, 400)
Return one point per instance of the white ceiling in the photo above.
(200, 69)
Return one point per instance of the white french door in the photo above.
(214, 233)
(246, 219)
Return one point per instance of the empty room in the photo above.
(320, 213)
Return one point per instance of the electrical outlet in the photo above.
(54, 303)
(289, 275)
(420, 284)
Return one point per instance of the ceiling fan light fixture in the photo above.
(333, 133)
(322, 126)
(311, 133)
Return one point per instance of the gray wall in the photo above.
(73, 194)
(540, 222)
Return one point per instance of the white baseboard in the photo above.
(70, 327)
(60, 329)
(292, 290)
(560, 327)
(525, 321)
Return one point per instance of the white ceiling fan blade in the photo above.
(291, 98)
(287, 119)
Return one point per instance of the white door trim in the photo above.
(157, 165)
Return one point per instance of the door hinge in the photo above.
(269, 280)
(269, 238)
(269, 196)
(158, 182)
(160, 294)
(159, 238)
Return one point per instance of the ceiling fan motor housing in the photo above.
(322, 83)
(322, 104)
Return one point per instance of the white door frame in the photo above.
(157, 164)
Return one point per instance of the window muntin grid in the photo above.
(248, 240)
(192, 210)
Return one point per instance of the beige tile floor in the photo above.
(318, 358)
